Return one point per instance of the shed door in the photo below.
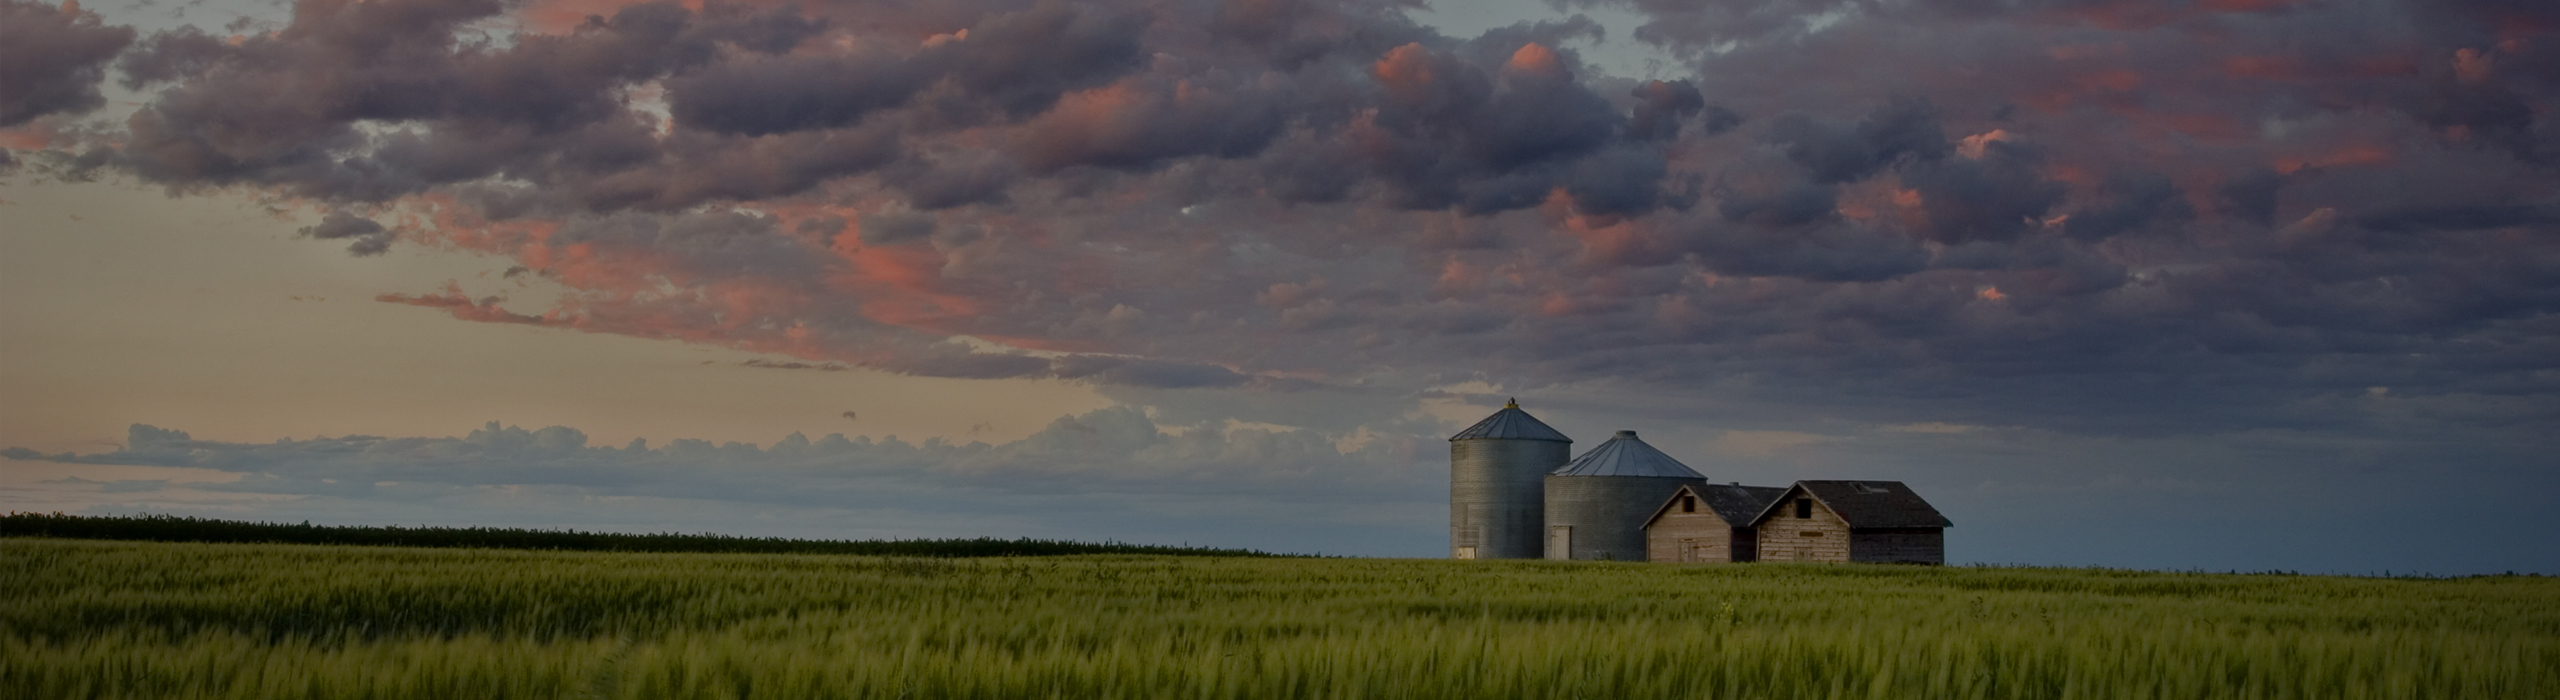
(1560, 542)
(1688, 550)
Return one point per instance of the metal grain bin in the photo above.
(1496, 470)
(1597, 505)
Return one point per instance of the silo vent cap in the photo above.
(1626, 433)
(1510, 423)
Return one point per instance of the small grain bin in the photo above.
(1496, 470)
(1597, 505)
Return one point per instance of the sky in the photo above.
(2217, 284)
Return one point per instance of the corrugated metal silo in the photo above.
(1597, 505)
(1496, 470)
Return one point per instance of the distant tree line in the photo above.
(171, 528)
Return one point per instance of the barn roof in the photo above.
(1735, 503)
(1510, 423)
(1867, 504)
(1624, 455)
(1738, 504)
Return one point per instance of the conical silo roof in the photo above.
(1624, 455)
(1510, 423)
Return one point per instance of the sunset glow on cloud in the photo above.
(2216, 223)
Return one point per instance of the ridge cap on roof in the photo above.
(1511, 423)
(1700, 488)
(1871, 510)
(1769, 510)
(1659, 510)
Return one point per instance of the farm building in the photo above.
(1497, 491)
(1862, 521)
(1516, 492)
(1596, 504)
(1708, 522)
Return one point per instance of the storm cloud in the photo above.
(52, 59)
(2207, 215)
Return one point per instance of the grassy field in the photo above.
(84, 619)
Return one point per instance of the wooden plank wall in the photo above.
(1823, 537)
(1707, 537)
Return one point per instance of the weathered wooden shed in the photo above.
(1708, 523)
(1859, 521)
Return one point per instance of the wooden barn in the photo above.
(1705, 522)
(1859, 521)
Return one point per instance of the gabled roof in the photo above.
(1737, 504)
(1510, 423)
(1865, 504)
(1624, 455)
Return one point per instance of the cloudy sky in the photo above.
(2225, 284)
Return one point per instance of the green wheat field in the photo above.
(108, 619)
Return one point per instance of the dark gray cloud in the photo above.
(2250, 195)
(2129, 200)
(1996, 197)
(1664, 107)
(794, 93)
(1835, 152)
(2212, 216)
(1791, 206)
(280, 110)
(52, 58)
(368, 236)
(761, 118)
(894, 227)
(1012, 63)
(2463, 218)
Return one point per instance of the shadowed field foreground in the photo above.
(82, 619)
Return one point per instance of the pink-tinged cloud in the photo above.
(1406, 69)
(31, 137)
(463, 307)
(1816, 190)
(1536, 60)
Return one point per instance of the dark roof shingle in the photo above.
(1866, 504)
(1736, 503)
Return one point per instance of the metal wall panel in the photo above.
(1495, 492)
(1607, 513)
